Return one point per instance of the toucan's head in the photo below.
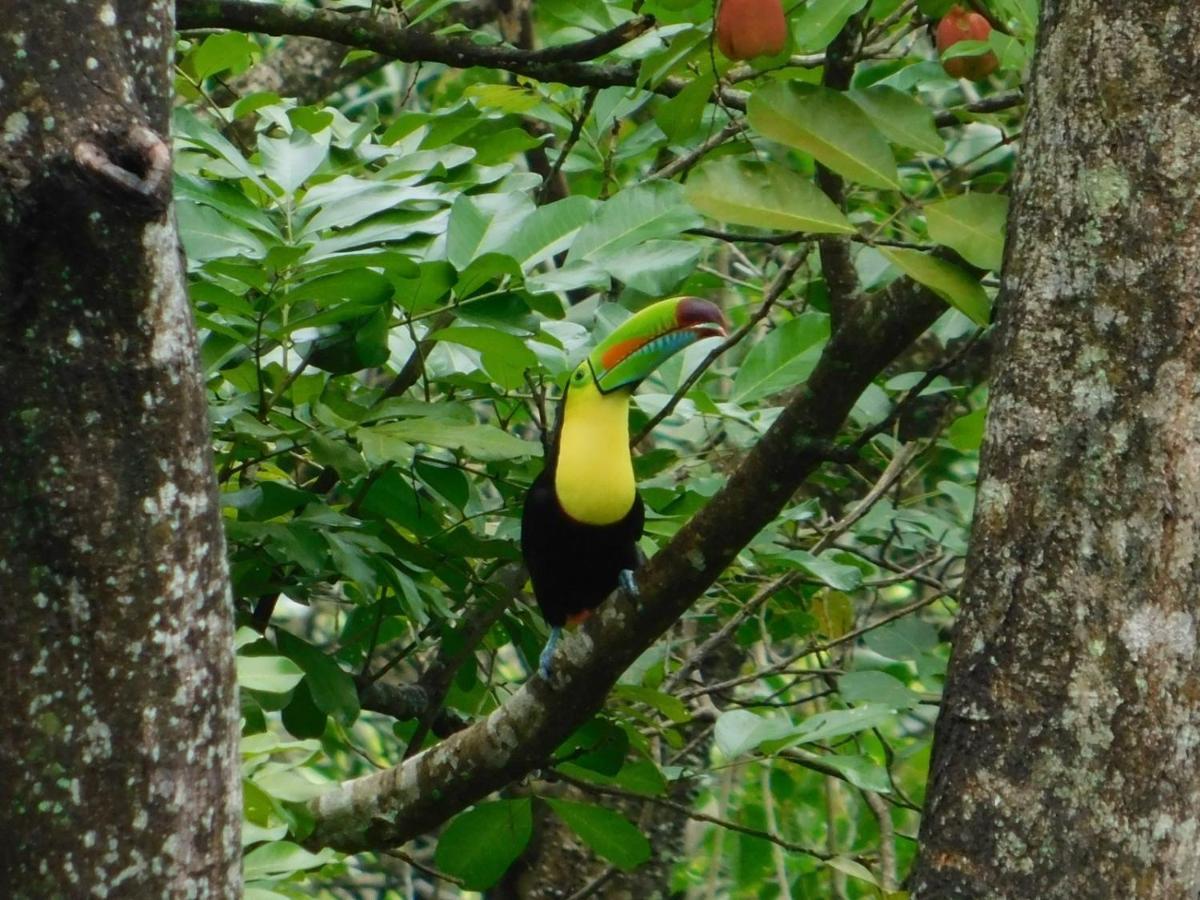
(646, 340)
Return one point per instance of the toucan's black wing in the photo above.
(574, 566)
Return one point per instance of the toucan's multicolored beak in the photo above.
(647, 339)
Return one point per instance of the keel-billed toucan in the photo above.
(583, 516)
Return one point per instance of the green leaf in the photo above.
(839, 723)
(859, 771)
(283, 858)
(905, 638)
(332, 687)
(228, 200)
(505, 357)
(229, 50)
(739, 731)
(821, 20)
(763, 195)
(876, 687)
(253, 833)
(191, 128)
(207, 235)
(825, 567)
(270, 674)
(291, 785)
(680, 117)
(834, 611)
(599, 745)
(481, 224)
(606, 832)
(479, 845)
(302, 717)
(353, 291)
(255, 891)
(826, 125)
(945, 279)
(935, 9)
(973, 225)
(852, 868)
(655, 209)
(902, 118)
(966, 432)
(347, 461)
(346, 201)
(667, 704)
(652, 267)
(548, 230)
(781, 360)
(509, 98)
(483, 442)
(291, 160)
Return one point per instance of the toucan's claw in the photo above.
(544, 667)
(629, 584)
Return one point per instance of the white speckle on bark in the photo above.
(78, 604)
(107, 15)
(170, 322)
(16, 126)
(1151, 630)
(91, 63)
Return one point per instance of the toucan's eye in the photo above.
(578, 375)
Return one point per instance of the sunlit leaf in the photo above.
(901, 117)
(782, 359)
(826, 125)
(971, 224)
(763, 195)
(947, 280)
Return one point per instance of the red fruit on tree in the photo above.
(748, 28)
(963, 25)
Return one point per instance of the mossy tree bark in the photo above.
(1067, 756)
(119, 751)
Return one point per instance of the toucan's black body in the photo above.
(574, 566)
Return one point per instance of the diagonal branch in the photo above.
(390, 807)
(568, 63)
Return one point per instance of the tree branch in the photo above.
(387, 808)
(568, 64)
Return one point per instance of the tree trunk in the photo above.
(1067, 756)
(118, 757)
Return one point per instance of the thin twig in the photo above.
(791, 659)
(887, 839)
(685, 162)
(589, 101)
(421, 867)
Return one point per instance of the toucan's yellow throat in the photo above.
(593, 479)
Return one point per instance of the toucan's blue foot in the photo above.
(548, 653)
(628, 584)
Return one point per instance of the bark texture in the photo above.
(118, 757)
(1067, 757)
